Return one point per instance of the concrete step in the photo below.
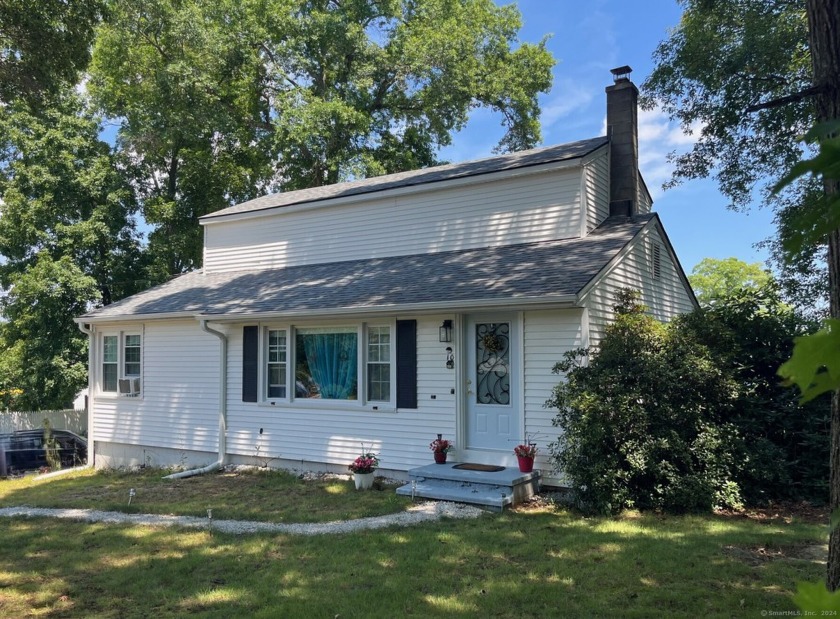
(495, 490)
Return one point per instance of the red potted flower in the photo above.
(363, 469)
(440, 447)
(526, 454)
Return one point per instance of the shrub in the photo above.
(643, 421)
(785, 445)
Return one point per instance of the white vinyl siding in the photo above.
(597, 179)
(333, 435)
(534, 207)
(645, 202)
(548, 334)
(665, 296)
(180, 404)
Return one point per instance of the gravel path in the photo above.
(415, 514)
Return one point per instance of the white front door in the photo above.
(492, 414)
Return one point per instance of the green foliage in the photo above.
(222, 101)
(642, 423)
(66, 194)
(822, 214)
(44, 45)
(690, 415)
(815, 364)
(815, 597)
(784, 446)
(51, 447)
(723, 58)
(68, 238)
(45, 355)
(714, 279)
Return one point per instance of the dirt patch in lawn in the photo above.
(758, 555)
(783, 512)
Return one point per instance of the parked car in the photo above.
(25, 450)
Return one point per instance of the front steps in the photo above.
(495, 490)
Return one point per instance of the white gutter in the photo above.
(223, 340)
(132, 317)
(84, 328)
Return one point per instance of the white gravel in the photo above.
(422, 512)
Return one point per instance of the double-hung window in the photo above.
(379, 364)
(276, 366)
(122, 356)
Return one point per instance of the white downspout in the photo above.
(91, 373)
(222, 410)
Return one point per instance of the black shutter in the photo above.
(406, 364)
(250, 363)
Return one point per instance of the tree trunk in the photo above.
(824, 40)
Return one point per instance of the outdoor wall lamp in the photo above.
(445, 331)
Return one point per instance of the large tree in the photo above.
(754, 75)
(68, 239)
(223, 101)
(44, 45)
(717, 279)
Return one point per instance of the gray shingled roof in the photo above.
(521, 159)
(497, 274)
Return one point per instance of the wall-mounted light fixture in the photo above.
(450, 359)
(445, 331)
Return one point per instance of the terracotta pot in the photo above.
(364, 481)
(440, 457)
(526, 465)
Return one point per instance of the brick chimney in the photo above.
(623, 131)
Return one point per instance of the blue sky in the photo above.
(588, 39)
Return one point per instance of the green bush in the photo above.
(785, 445)
(643, 421)
(690, 415)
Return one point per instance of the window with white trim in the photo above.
(110, 362)
(276, 364)
(379, 364)
(338, 363)
(122, 364)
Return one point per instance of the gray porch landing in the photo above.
(494, 490)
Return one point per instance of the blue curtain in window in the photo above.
(332, 363)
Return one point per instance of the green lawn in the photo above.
(531, 563)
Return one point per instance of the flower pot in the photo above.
(526, 465)
(364, 481)
(440, 457)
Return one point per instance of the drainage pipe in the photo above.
(223, 340)
(87, 330)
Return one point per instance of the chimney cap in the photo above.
(621, 73)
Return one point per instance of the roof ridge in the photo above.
(421, 176)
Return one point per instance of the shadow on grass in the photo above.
(508, 565)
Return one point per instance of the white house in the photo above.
(385, 311)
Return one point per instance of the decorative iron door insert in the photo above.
(492, 421)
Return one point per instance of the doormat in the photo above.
(485, 468)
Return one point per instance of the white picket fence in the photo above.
(69, 419)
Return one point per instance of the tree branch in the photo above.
(797, 96)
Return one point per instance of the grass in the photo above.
(541, 563)
(273, 496)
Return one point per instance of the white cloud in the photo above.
(573, 98)
(659, 136)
